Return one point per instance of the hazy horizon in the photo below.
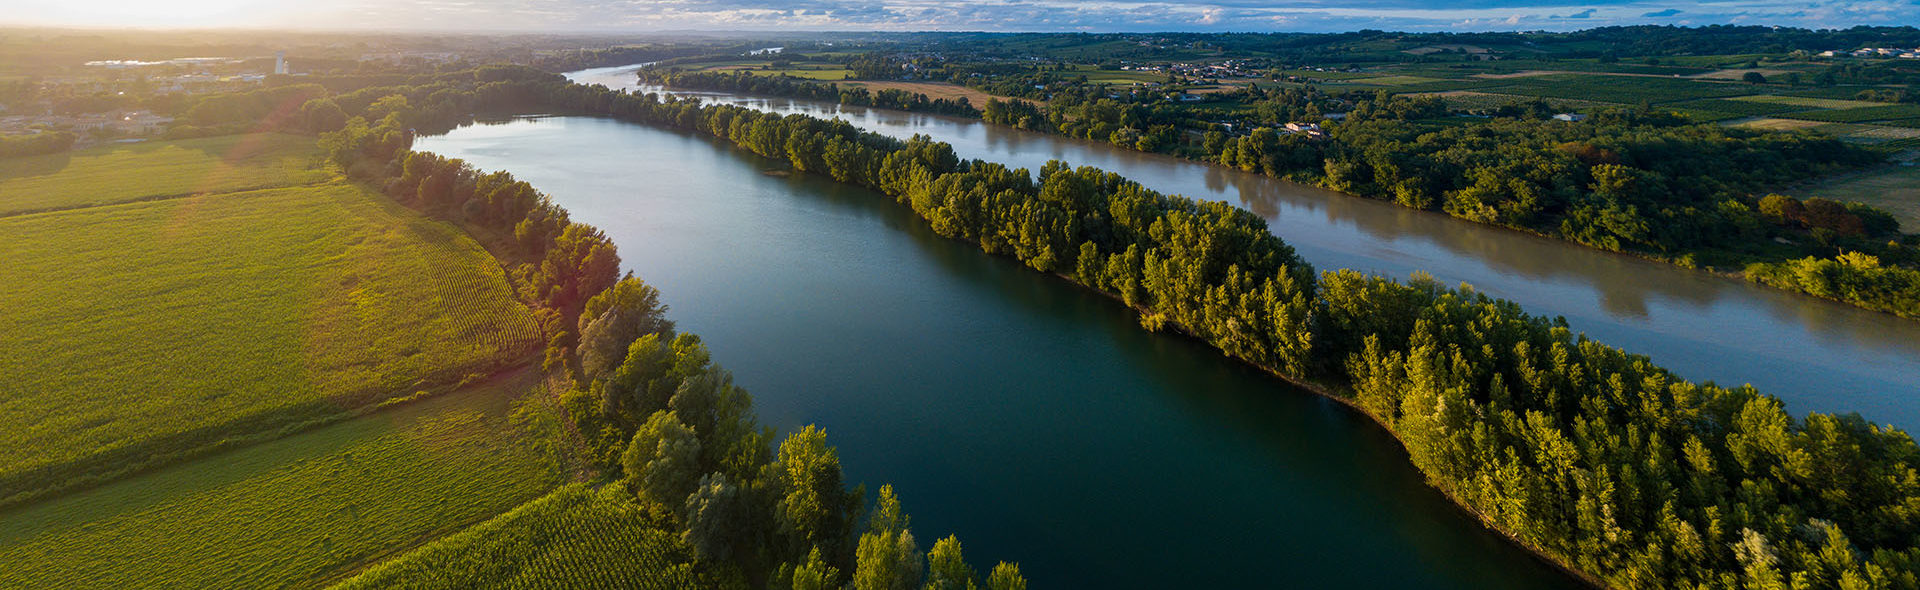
(714, 16)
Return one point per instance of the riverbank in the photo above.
(1686, 261)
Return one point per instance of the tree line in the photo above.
(1639, 181)
(51, 142)
(656, 415)
(747, 82)
(1589, 454)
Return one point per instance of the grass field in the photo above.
(1894, 189)
(576, 537)
(129, 172)
(294, 512)
(143, 329)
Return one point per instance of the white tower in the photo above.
(280, 62)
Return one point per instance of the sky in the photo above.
(971, 15)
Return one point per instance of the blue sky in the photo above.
(991, 15)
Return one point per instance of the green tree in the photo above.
(612, 320)
(663, 461)
(887, 558)
(812, 508)
(1006, 576)
(947, 568)
(815, 574)
(716, 519)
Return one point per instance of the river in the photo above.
(1817, 355)
(1032, 418)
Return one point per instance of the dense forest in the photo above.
(1586, 453)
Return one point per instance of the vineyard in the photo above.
(575, 537)
(1860, 115)
(1620, 89)
(132, 172)
(293, 512)
(1738, 106)
(145, 330)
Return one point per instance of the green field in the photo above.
(1894, 189)
(298, 511)
(1860, 115)
(825, 75)
(576, 537)
(1746, 106)
(140, 330)
(130, 172)
(1395, 80)
(1619, 89)
(1810, 102)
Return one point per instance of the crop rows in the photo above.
(1743, 108)
(164, 326)
(292, 512)
(1620, 89)
(1903, 111)
(121, 172)
(575, 537)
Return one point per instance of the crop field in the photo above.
(294, 512)
(575, 537)
(1741, 106)
(129, 172)
(1894, 189)
(1395, 80)
(1833, 92)
(826, 75)
(1861, 115)
(1467, 99)
(1810, 102)
(143, 329)
(1620, 89)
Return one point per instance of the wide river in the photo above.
(1817, 355)
(1039, 423)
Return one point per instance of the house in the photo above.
(1303, 127)
(1570, 117)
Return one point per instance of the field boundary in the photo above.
(157, 198)
(95, 470)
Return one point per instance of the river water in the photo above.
(1032, 418)
(1042, 425)
(1817, 355)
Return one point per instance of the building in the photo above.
(1570, 117)
(280, 62)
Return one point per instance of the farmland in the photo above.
(296, 511)
(575, 537)
(130, 172)
(152, 329)
(1894, 189)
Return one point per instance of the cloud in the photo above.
(1003, 15)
